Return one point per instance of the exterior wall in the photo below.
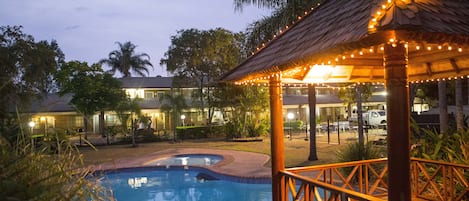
(68, 122)
(161, 121)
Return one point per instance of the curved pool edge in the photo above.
(217, 175)
(237, 166)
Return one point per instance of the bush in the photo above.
(233, 129)
(444, 147)
(199, 132)
(257, 130)
(355, 152)
(34, 173)
(295, 125)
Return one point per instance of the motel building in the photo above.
(54, 113)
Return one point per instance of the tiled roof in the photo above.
(323, 99)
(338, 26)
(52, 103)
(146, 82)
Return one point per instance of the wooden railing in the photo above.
(367, 180)
(306, 189)
(435, 180)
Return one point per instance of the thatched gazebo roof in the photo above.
(390, 41)
(341, 41)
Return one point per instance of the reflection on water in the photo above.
(136, 182)
(189, 159)
(181, 185)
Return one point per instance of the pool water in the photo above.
(181, 185)
(189, 159)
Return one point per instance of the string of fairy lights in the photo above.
(261, 80)
(281, 31)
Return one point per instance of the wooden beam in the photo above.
(429, 69)
(455, 65)
(424, 56)
(361, 61)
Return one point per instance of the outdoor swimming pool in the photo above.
(189, 159)
(181, 184)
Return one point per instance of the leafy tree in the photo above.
(125, 60)
(26, 69)
(201, 57)
(173, 103)
(93, 90)
(245, 104)
(349, 95)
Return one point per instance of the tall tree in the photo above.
(26, 66)
(26, 71)
(126, 60)
(260, 32)
(201, 57)
(92, 89)
(245, 104)
(313, 156)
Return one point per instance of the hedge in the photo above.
(295, 125)
(199, 132)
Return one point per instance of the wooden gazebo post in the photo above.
(276, 136)
(398, 116)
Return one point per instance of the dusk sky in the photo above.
(87, 30)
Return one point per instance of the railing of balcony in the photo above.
(367, 180)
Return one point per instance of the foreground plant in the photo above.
(32, 172)
(357, 151)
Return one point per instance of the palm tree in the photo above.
(125, 59)
(313, 155)
(285, 13)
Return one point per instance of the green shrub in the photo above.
(355, 152)
(33, 172)
(199, 132)
(257, 129)
(443, 147)
(233, 129)
(294, 125)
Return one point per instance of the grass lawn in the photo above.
(296, 150)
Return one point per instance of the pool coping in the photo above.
(239, 166)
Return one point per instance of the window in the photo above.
(160, 94)
(149, 95)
